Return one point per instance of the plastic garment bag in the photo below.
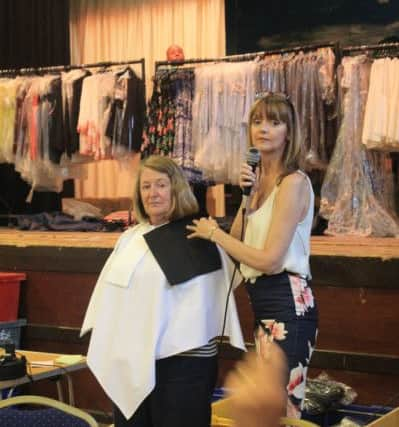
(356, 195)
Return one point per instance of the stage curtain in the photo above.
(117, 30)
(34, 33)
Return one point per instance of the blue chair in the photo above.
(52, 413)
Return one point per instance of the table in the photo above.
(42, 365)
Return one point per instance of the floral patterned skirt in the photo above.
(286, 313)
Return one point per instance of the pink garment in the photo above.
(34, 128)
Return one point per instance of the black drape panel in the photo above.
(33, 33)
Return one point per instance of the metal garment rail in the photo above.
(67, 67)
(247, 56)
(379, 50)
(376, 46)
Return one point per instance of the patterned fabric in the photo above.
(309, 80)
(168, 129)
(159, 132)
(286, 313)
(357, 192)
(13, 417)
(224, 93)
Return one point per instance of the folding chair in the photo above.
(51, 413)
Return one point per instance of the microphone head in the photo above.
(253, 156)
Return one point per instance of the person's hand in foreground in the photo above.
(257, 389)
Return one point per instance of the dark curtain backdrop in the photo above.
(255, 25)
(33, 33)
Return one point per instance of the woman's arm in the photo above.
(290, 207)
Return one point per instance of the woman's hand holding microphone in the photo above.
(248, 179)
(205, 228)
(249, 176)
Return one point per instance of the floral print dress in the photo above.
(286, 313)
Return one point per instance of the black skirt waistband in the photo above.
(278, 276)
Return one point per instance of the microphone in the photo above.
(253, 158)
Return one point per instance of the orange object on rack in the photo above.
(9, 295)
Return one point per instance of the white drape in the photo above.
(118, 30)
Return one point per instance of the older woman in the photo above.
(155, 311)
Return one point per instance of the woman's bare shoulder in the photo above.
(294, 181)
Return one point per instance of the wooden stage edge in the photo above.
(348, 246)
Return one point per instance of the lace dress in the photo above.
(356, 193)
(224, 94)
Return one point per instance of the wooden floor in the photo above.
(351, 246)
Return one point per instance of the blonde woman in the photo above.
(276, 221)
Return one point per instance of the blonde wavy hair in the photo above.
(184, 202)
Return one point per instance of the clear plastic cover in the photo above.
(357, 192)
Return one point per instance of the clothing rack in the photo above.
(67, 67)
(246, 56)
(378, 49)
(370, 47)
(304, 48)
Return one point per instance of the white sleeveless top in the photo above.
(296, 259)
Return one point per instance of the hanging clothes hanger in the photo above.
(125, 70)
